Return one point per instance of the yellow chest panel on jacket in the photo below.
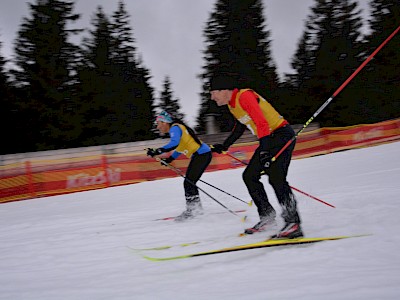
(187, 144)
(273, 118)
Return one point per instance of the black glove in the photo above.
(219, 148)
(265, 159)
(165, 161)
(153, 152)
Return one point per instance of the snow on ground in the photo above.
(76, 246)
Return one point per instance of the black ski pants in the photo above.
(277, 173)
(197, 166)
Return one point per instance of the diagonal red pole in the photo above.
(311, 196)
(336, 93)
(296, 189)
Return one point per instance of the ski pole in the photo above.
(336, 93)
(263, 173)
(191, 182)
(312, 197)
(217, 188)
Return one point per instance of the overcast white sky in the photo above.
(169, 36)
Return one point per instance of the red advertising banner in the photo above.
(39, 178)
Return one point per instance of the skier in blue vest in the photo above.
(184, 140)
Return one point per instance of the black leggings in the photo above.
(278, 170)
(197, 166)
(277, 173)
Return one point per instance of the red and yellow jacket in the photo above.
(252, 110)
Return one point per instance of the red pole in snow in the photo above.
(296, 189)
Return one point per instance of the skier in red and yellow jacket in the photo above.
(251, 110)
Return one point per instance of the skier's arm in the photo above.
(248, 101)
(175, 133)
(235, 134)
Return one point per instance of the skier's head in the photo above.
(221, 82)
(222, 85)
(221, 88)
(164, 117)
(164, 121)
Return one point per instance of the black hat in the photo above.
(223, 82)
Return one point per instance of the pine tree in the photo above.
(12, 120)
(327, 55)
(237, 43)
(302, 61)
(118, 98)
(7, 111)
(124, 50)
(136, 109)
(294, 88)
(146, 107)
(168, 102)
(96, 82)
(4, 89)
(45, 60)
(380, 81)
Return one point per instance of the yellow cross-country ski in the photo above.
(263, 244)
